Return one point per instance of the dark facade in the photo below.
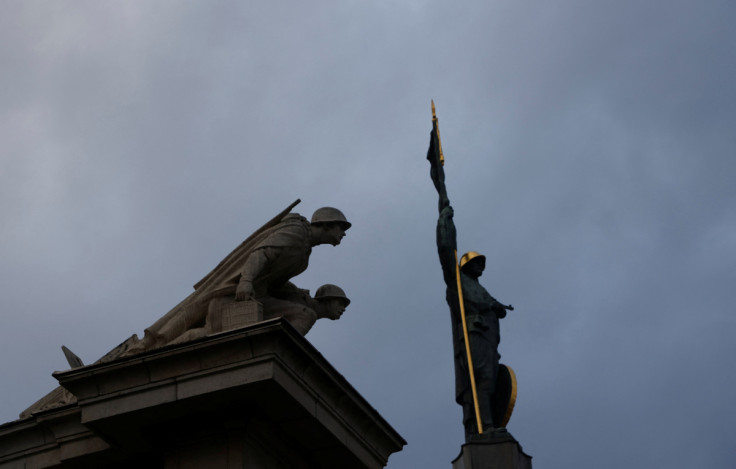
(257, 397)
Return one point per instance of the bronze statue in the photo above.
(474, 313)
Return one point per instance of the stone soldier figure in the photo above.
(329, 302)
(259, 269)
(299, 308)
(481, 309)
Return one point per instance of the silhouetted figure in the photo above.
(482, 312)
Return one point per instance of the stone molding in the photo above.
(265, 380)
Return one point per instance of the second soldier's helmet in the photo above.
(329, 291)
(330, 215)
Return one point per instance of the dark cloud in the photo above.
(589, 155)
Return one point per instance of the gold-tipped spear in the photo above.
(435, 121)
(437, 126)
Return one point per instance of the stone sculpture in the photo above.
(253, 279)
(329, 302)
(251, 284)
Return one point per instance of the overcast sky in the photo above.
(590, 154)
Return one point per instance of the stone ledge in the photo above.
(264, 379)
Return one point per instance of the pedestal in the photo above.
(503, 453)
(260, 397)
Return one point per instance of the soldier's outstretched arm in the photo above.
(500, 309)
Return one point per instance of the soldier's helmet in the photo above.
(472, 256)
(329, 291)
(330, 215)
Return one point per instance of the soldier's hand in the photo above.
(244, 290)
(447, 212)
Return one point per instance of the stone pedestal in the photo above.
(256, 397)
(503, 453)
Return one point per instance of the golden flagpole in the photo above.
(460, 298)
(467, 347)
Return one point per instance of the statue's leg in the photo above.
(469, 418)
(485, 364)
(298, 314)
(191, 334)
(190, 315)
(214, 313)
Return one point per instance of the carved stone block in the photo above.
(241, 313)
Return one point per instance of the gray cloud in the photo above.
(589, 154)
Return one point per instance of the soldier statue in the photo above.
(482, 314)
(259, 270)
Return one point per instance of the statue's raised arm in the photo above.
(436, 160)
(446, 233)
(447, 247)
